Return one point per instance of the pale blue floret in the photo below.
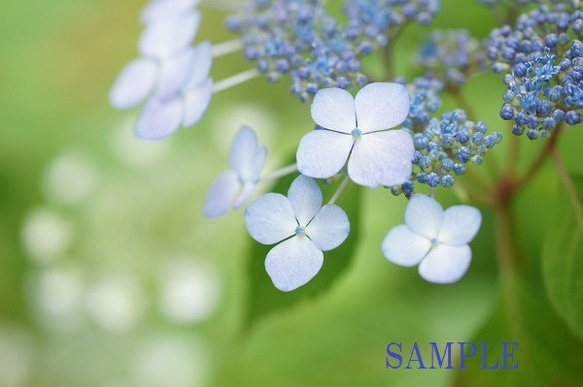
(436, 240)
(356, 131)
(233, 187)
(300, 227)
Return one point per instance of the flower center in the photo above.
(356, 133)
(300, 231)
(434, 242)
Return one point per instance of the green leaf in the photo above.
(548, 354)
(264, 297)
(562, 260)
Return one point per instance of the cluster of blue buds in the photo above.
(451, 55)
(302, 39)
(445, 147)
(380, 19)
(424, 102)
(511, 3)
(543, 66)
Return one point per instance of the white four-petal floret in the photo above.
(435, 239)
(233, 187)
(304, 227)
(171, 73)
(356, 129)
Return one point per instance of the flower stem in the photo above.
(279, 173)
(225, 48)
(235, 80)
(223, 5)
(539, 160)
(509, 276)
(339, 190)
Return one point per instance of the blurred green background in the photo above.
(110, 276)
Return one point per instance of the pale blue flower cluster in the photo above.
(511, 3)
(379, 20)
(445, 147)
(541, 58)
(302, 39)
(451, 56)
(388, 134)
(171, 75)
(425, 101)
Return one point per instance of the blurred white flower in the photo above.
(233, 187)
(70, 178)
(305, 226)
(115, 302)
(435, 239)
(171, 361)
(16, 357)
(134, 152)
(57, 296)
(190, 290)
(356, 129)
(45, 235)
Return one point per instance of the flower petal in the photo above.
(203, 61)
(333, 108)
(159, 119)
(460, 225)
(221, 194)
(270, 218)
(323, 153)
(134, 83)
(382, 158)
(175, 72)
(244, 193)
(329, 228)
(169, 35)
(157, 9)
(446, 264)
(258, 162)
(196, 101)
(424, 215)
(405, 247)
(293, 263)
(306, 198)
(381, 105)
(243, 150)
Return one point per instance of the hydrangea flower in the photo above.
(162, 116)
(303, 227)
(147, 76)
(168, 31)
(356, 129)
(157, 9)
(166, 55)
(233, 187)
(435, 239)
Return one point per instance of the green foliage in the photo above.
(548, 354)
(562, 260)
(264, 297)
